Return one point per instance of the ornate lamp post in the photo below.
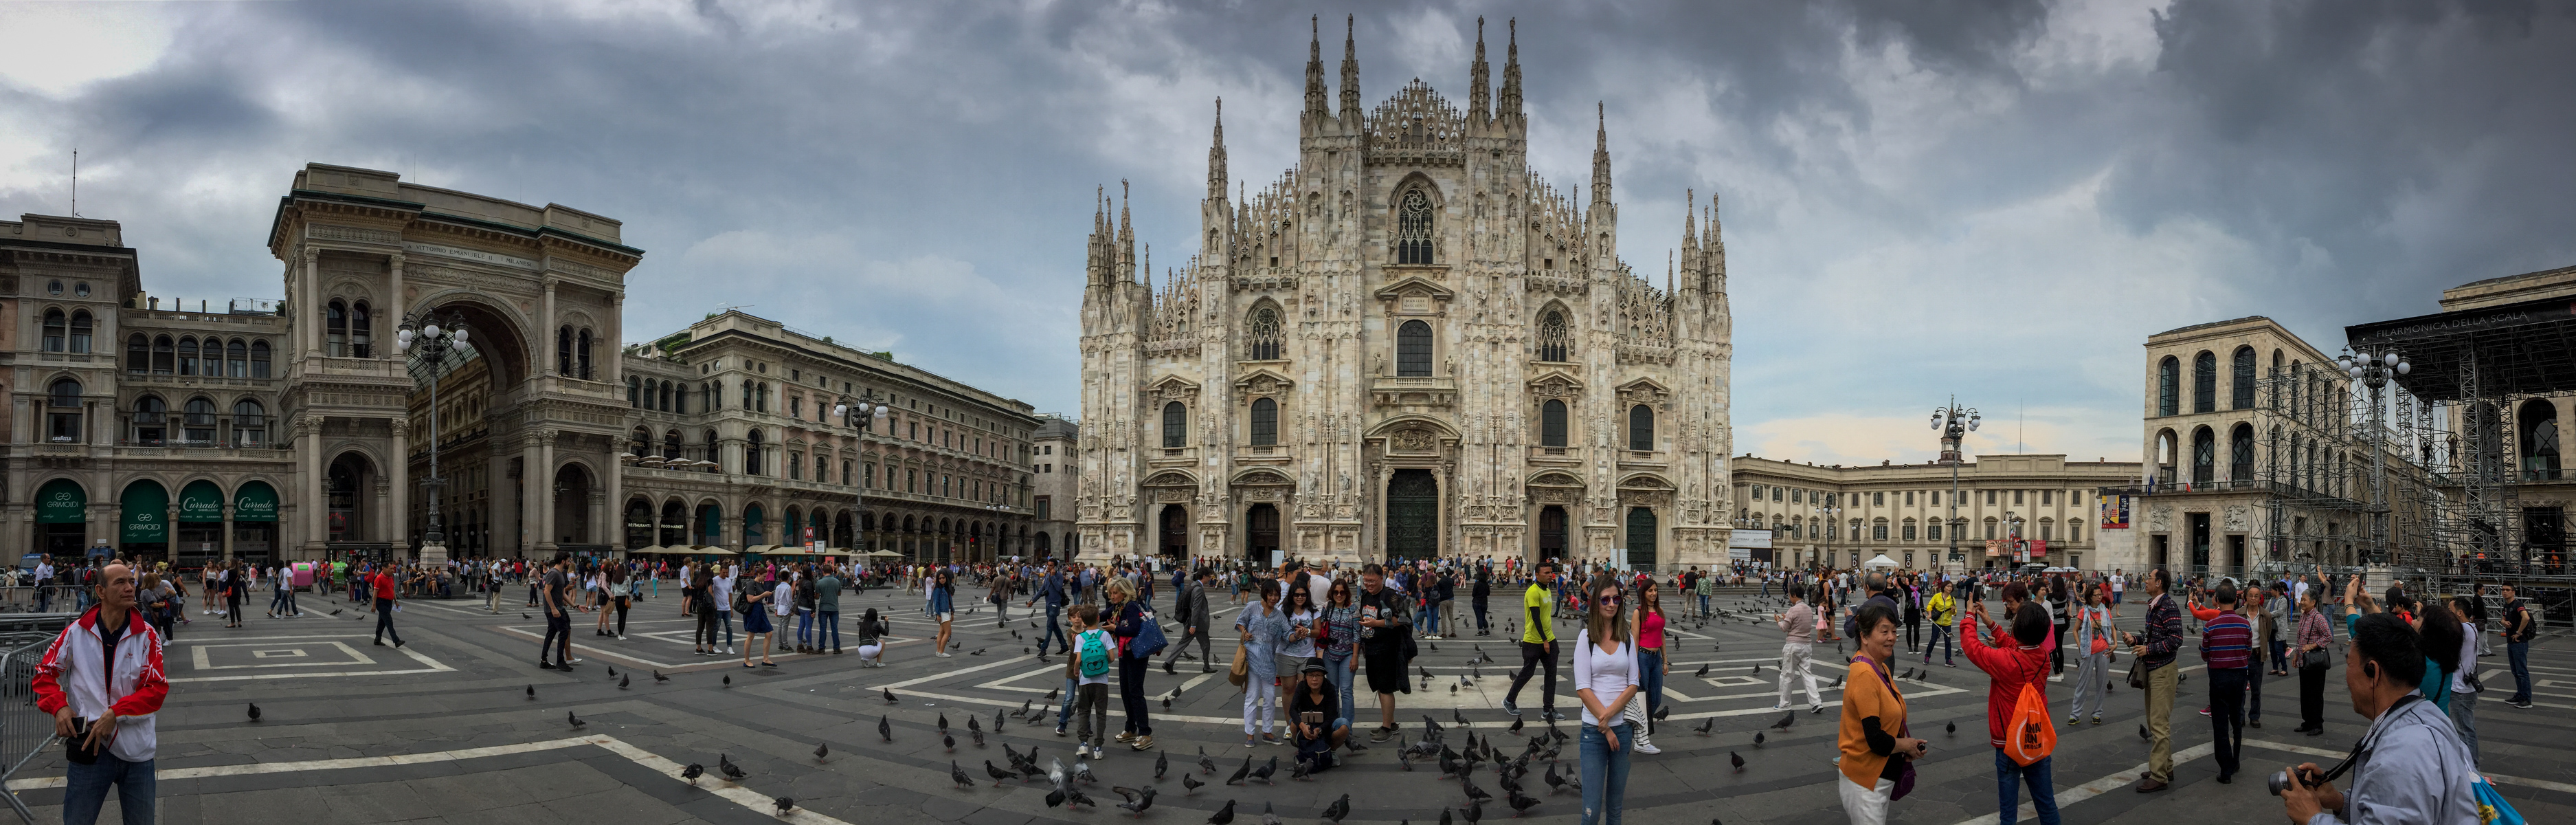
(431, 338)
(2373, 370)
(1954, 423)
(1832, 510)
(862, 413)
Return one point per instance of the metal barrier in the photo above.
(52, 598)
(24, 730)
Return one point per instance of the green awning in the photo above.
(62, 501)
(201, 500)
(255, 501)
(147, 513)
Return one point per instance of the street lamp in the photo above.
(2373, 370)
(430, 337)
(862, 413)
(1954, 423)
(1833, 523)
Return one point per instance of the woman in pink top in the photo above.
(1651, 664)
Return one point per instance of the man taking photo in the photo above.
(2410, 766)
(101, 680)
(1386, 619)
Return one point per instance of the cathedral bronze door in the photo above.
(1641, 538)
(1175, 538)
(1412, 515)
(1551, 532)
(1261, 533)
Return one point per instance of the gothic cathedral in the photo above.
(1406, 346)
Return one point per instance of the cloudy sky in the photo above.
(1997, 200)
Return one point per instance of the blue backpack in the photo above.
(1095, 655)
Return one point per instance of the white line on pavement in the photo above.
(434, 666)
(2098, 787)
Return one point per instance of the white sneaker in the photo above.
(1646, 747)
(943, 654)
(1781, 706)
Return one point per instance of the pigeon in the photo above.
(1024, 706)
(1757, 668)
(612, 671)
(948, 740)
(959, 776)
(1189, 782)
(1223, 816)
(996, 773)
(1703, 671)
(1662, 712)
(1459, 716)
(1785, 721)
(1082, 771)
(979, 737)
(1051, 693)
(1206, 765)
(885, 730)
(1474, 793)
(1735, 759)
(1521, 804)
(623, 681)
(1268, 818)
(1340, 808)
(1953, 728)
(784, 805)
(980, 651)
(1162, 761)
(1167, 702)
(659, 678)
(1515, 728)
(1263, 773)
(724, 762)
(532, 691)
(728, 680)
(889, 696)
(822, 751)
(575, 720)
(522, 615)
(254, 711)
(1705, 726)
(2142, 733)
(1138, 799)
(943, 723)
(1240, 773)
(1554, 782)
(1299, 770)
(1757, 739)
(1838, 681)
(1474, 811)
(997, 720)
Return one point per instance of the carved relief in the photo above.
(1413, 440)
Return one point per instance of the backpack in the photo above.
(2029, 735)
(1095, 655)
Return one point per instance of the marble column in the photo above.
(535, 491)
(614, 478)
(400, 471)
(228, 533)
(546, 483)
(396, 302)
(310, 313)
(314, 507)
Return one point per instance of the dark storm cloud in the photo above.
(2000, 198)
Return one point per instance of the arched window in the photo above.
(138, 354)
(250, 423)
(1261, 333)
(236, 359)
(335, 329)
(747, 390)
(2169, 386)
(1551, 424)
(666, 397)
(751, 454)
(151, 421)
(671, 446)
(2539, 441)
(1413, 228)
(2298, 391)
(54, 330)
(635, 391)
(259, 359)
(1176, 425)
(362, 331)
(2240, 377)
(1641, 428)
(188, 355)
(713, 454)
(680, 399)
(80, 330)
(1555, 341)
(582, 349)
(761, 400)
(640, 441)
(198, 425)
(1413, 349)
(563, 352)
(162, 359)
(1265, 422)
(2240, 453)
(2204, 456)
(63, 412)
(2204, 382)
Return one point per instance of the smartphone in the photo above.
(1312, 717)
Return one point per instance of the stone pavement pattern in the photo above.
(443, 730)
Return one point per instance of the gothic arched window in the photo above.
(138, 354)
(1554, 340)
(1551, 424)
(1265, 422)
(1413, 228)
(259, 359)
(563, 352)
(1413, 349)
(1641, 428)
(2168, 386)
(2240, 375)
(1262, 335)
(1176, 425)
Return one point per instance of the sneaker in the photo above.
(1815, 708)
(1249, 740)
(2204, 711)
(545, 665)
(1552, 716)
(2524, 704)
(1647, 746)
(2097, 718)
(2070, 718)
(1059, 730)
(728, 651)
(941, 654)
(1781, 706)
(1510, 708)
(1124, 736)
(1142, 743)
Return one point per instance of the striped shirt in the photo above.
(2226, 642)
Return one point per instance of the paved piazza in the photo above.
(443, 730)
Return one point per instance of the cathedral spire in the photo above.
(1317, 107)
(1477, 86)
(1510, 105)
(1715, 266)
(1600, 154)
(1350, 70)
(1216, 156)
(1126, 237)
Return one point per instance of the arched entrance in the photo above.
(1551, 532)
(144, 526)
(1261, 532)
(346, 487)
(1412, 515)
(1174, 534)
(1641, 538)
(572, 492)
(639, 523)
(484, 496)
(62, 519)
(674, 527)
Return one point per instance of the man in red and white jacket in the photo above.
(105, 668)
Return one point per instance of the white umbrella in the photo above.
(1881, 561)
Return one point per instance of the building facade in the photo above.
(1407, 345)
(1842, 516)
(297, 429)
(1052, 462)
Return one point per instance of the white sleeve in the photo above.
(1583, 662)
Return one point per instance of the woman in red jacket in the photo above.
(2016, 661)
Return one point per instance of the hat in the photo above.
(1314, 664)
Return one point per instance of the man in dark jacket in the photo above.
(1191, 607)
(2155, 652)
(1051, 590)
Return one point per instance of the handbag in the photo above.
(2493, 808)
(1904, 775)
(2137, 675)
(1149, 639)
(1241, 671)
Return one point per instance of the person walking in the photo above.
(2061, 610)
(1945, 618)
(1050, 589)
(1477, 593)
(1538, 645)
(1875, 744)
(755, 626)
(827, 607)
(101, 679)
(2156, 652)
(2465, 685)
(1264, 631)
(943, 609)
(701, 603)
(2227, 647)
(1606, 679)
(2092, 657)
(1798, 647)
(1087, 666)
(721, 595)
(2312, 662)
(1190, 605)
(1652, 664)
(385, 587)
(2519, 628)
(2015, 661)
(1126, 619)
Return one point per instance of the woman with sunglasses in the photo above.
(1339, 637)
(1605, 677)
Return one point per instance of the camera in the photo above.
(2280, 780)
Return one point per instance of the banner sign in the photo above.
(255, 501)
(61, 502)
(2115, 512)
(201, 501)
(1994, 548)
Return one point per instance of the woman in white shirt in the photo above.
(1606, 677)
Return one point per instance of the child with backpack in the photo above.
(1089, 668)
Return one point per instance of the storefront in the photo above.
(201, 524)
(62, 519)
(143, 533)
(255, 522)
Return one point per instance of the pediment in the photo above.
(1172, 388)
(1261, 382)
(1555, 479)
(1555, 383)
(1171, 478)
(1414, 285)
(1645, 391)
(1260, 476)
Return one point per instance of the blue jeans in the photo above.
(1054, 632)
(831, 626)
(1064, 710)
(2519, 653)
(1605, 774)
(1652, 664)
(1430, 618)
(2011, 775)
(1703, 605)
(1339, 672)
(1940, 636)
(804, 626)
(85, 790)
(725, 617)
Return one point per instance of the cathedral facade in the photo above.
(1408, 345)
